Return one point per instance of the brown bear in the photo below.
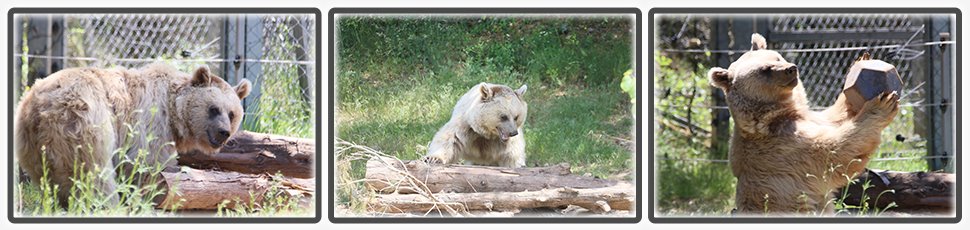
(82, 116)
(787, 158)
(485, 129)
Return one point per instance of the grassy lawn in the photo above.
(398, 80)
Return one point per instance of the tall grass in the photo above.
(281, 108)
(135, 179)
(137, 192)
(276, 202)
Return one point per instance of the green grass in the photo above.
(134, 196)
(39, 198)
(398, 80)
(688, 187)
(281, 109)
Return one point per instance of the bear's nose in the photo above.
(513, 133)
(792, 70)
(222, 135)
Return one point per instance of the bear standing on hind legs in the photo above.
(788, 159)
(485, 129)
(79, 117)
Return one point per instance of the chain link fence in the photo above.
(274, 51)
(823, 47)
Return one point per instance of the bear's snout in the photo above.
(222, 135)
(786, 69)
(791, 70)
(506, 135)
(218, 136)
(784, 74)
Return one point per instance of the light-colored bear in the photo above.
(485, 129)
(82, 116)
(788, 159)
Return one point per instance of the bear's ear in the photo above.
(521, 91)
(758, 42)
(243, 88)
(201, 77)
(486, 90)
(720, 78)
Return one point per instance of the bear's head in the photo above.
(211, 111)
(499, 113)
(760, 75)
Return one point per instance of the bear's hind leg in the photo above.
(87, 144)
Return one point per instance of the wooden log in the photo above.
(915, 192)
(206, 189)
(387, 175)
(257, 153)
(618, 197)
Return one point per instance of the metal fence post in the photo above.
(720, 118)
(45, 40)
(253, 69)
(940, 92)
(302, 54)
(18, 77)
(243, 47)
(234, 31)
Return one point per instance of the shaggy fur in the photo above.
(82, 116)
(485, 129)
(787, 158)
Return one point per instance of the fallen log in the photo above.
(257, 153)
(389, 175)
(913, 192)
(193, 189)
(598, 200)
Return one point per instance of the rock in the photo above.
(869, 78)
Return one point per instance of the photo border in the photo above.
(956, 88)
(164, 220)
(385, 220)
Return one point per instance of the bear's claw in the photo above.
(432, 160)
(883, 106)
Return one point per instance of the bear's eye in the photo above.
(516, 117)
(505, 118)
(232, 115)
(213, 111)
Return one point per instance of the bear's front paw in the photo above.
(881, 108)
(433, 160)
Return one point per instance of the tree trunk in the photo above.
(389, 175)
(599, 200)
(256, 153)
(206, 189)
(914, 191)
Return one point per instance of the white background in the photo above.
(325, 6)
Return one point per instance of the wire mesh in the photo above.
(823, 73)
(130, 41)
(844, 23)
(275, 52)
